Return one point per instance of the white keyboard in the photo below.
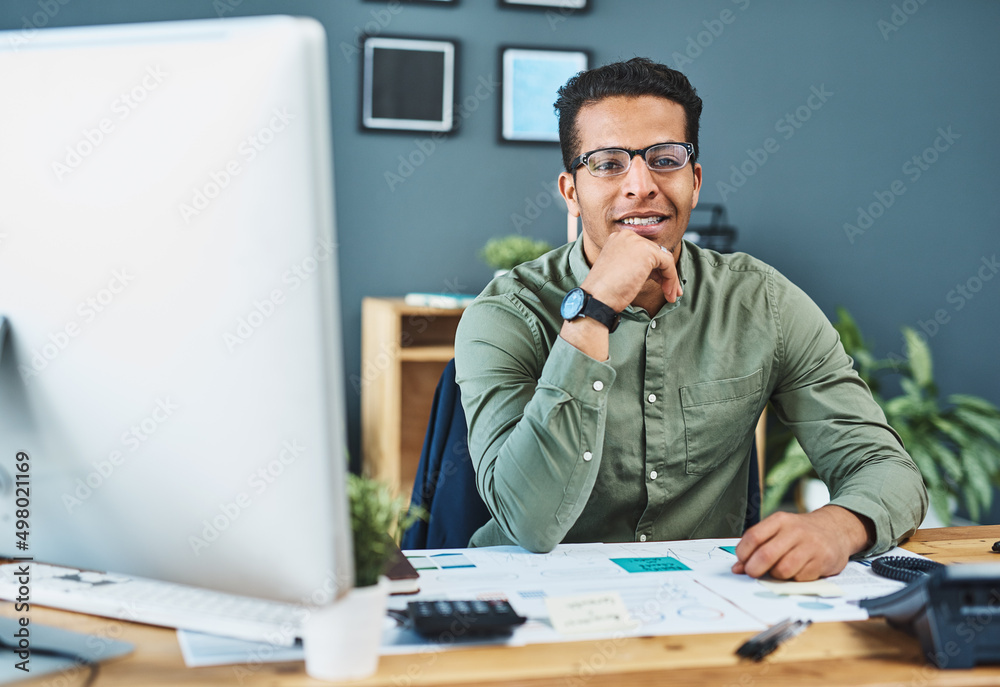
(142, 600)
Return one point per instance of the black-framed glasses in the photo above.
(661, 157)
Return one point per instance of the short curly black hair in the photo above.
(637, 77)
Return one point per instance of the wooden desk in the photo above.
(849, 654)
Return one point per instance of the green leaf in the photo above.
(903, 407)
(375, 514)
(850, 334)
(979, 489)
(954, 431)
(939, 502)
(912, 389)
(974, 404)
(919, 355)
(989, 455)
(944, 457)
(507, 252)
(982, 425)
(926, 465)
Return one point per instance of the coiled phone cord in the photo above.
(904, 568)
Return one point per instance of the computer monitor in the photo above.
(172, 367)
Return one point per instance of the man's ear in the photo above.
(696, 170)
(567, 188)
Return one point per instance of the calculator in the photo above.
(456, 619)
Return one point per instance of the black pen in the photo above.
(760, 645)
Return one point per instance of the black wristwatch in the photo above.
(578, 303)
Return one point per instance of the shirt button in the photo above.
(598, 385)
(652, 325)
(642, 537)
(652, 398)
(587, 455)
(652, 475)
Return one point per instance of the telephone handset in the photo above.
(953, 610)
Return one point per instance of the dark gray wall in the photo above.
(893, 74)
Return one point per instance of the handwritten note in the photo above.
(583, 613)
(823, 588)
(658, 564)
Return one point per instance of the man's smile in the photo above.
(643, 223)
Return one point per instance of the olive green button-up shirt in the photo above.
(654, 443)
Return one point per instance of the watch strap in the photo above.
(604, 314)
(601, 312)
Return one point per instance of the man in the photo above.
(613, 385)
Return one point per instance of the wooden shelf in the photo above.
(428, 354)
(404, 350)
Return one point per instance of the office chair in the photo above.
(445, 484)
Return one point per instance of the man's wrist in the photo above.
(578, 303)
(588, 336)
(857, 530)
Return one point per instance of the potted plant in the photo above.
(507, 252)
(342, 639)
(955, 443)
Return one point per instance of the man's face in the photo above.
(658, 204)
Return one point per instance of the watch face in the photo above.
(572, 304)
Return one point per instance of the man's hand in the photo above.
(792, 546)
(624, 267)
(622, 271)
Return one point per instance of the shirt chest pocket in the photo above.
(718, 417)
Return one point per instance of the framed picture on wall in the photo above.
(529, 84)
(408, 84)
(424, 2)
(566, 5)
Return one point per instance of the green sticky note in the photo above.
(657, 564)
(730, 549)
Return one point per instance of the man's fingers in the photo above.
(756, 536)
(669, 280)
(762, 546)
(800, 547)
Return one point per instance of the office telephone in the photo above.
(953, 610)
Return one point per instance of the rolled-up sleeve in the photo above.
(828, 407)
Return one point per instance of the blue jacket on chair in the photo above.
(445, 484)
